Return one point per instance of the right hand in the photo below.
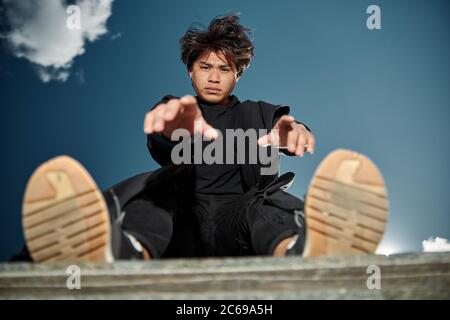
(181, 113)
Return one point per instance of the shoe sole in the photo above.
(64, 215)
(346, 206)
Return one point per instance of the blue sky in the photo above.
(384, 93)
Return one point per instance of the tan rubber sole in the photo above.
(346, 206)
(64, 215)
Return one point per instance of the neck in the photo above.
(224, 102)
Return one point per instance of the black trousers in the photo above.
(171, 221)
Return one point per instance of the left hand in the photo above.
(286, 133)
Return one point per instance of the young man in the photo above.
(231, 206)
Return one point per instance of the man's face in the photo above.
(213, 77)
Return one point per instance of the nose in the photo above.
(214, 76)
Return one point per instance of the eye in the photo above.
(204, 67)
(225, 69)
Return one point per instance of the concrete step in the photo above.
(405, 276)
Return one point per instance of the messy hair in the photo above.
(224, 35)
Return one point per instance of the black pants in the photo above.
(170, 221)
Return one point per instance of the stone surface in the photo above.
(405, 276)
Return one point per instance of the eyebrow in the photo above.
(210, 65)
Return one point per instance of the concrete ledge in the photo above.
(406, 276)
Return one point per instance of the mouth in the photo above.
(213, 90)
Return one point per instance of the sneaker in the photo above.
(346, 206)
(66, 217)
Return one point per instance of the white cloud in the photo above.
(47, 74)
(80, 75)
(38, 32)
(435, 245)
(387, 248)
(117, 35)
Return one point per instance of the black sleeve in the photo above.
(158, 145)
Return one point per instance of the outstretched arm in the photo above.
(173, 113)
(287, 133)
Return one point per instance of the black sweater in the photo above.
(223, 178)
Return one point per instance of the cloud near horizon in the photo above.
(38, 32)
